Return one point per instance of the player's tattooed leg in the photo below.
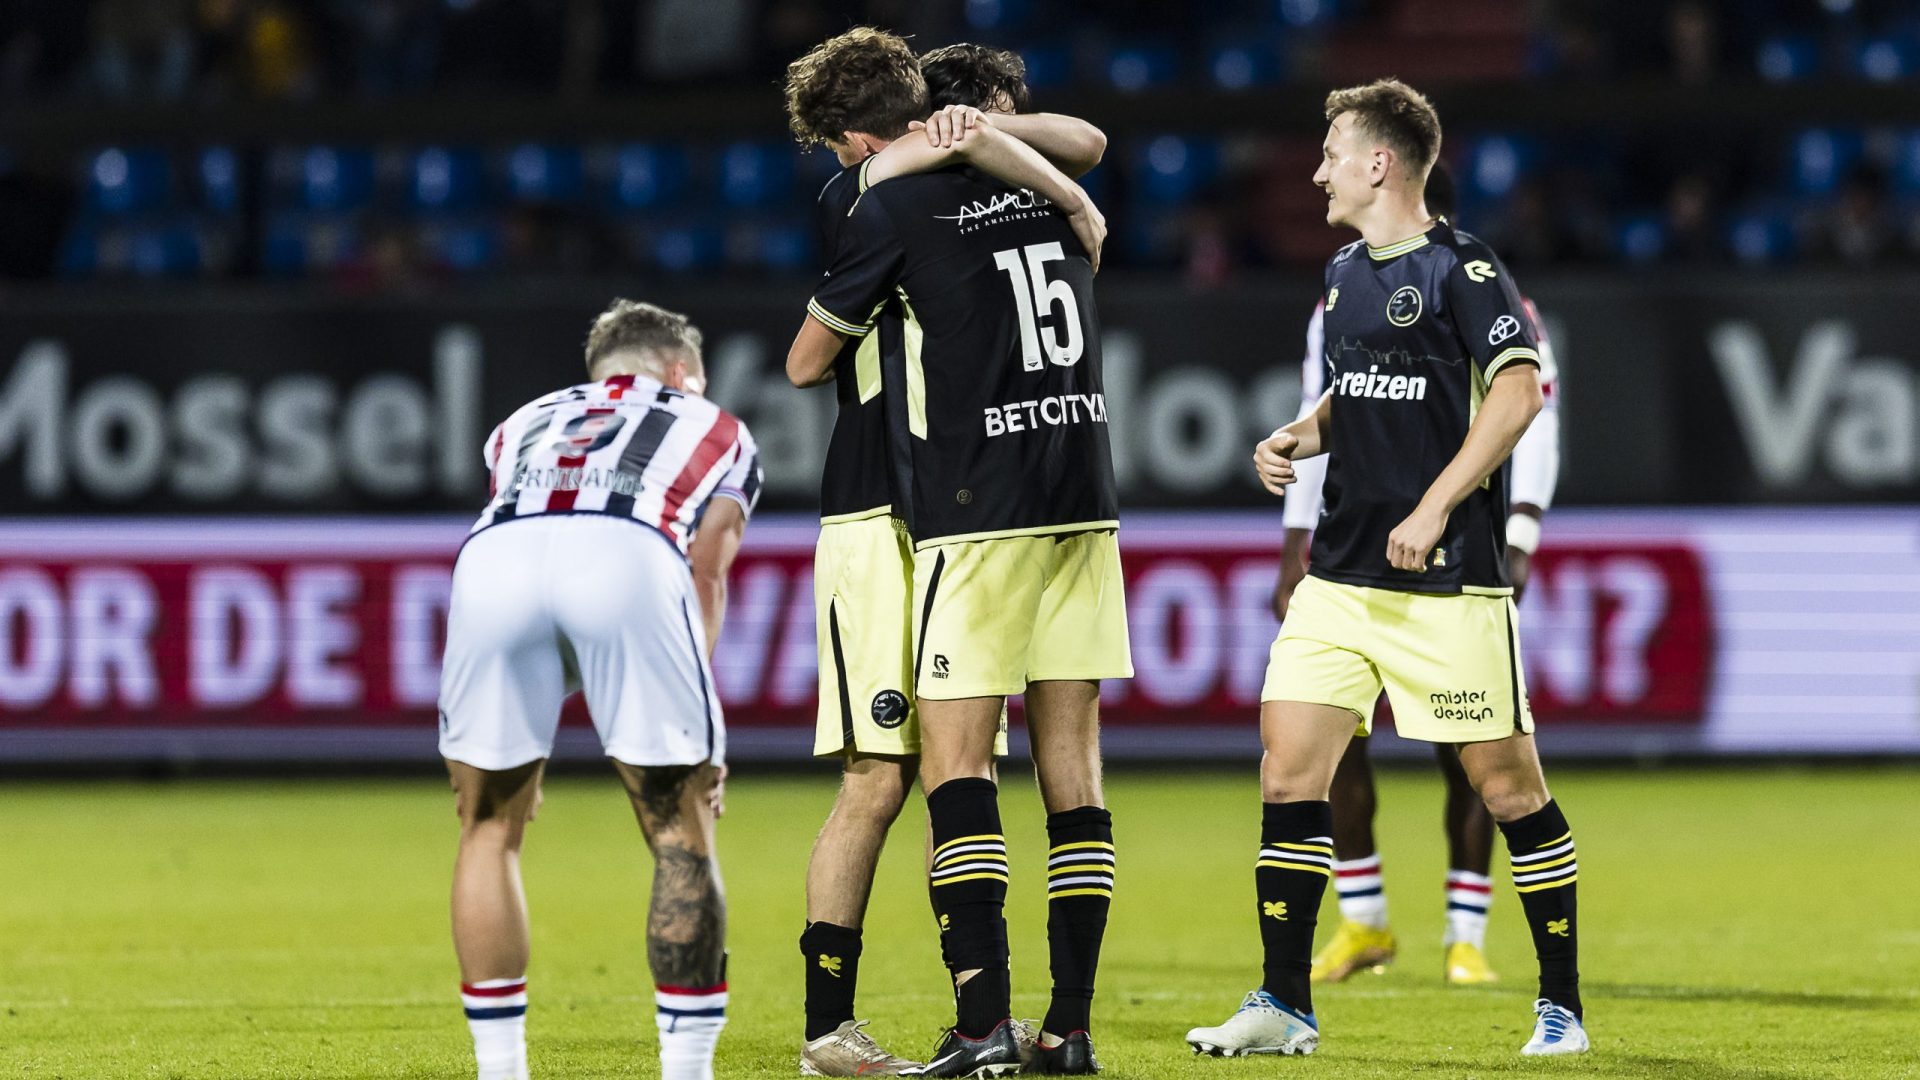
(686, 921)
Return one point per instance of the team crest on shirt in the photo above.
(1404, 306)
(889, 709)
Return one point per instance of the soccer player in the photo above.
(1364, 939)
(1008, 492)
(863, 572)
(600, 564)
(1433, 377)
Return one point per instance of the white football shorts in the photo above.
(546, 605)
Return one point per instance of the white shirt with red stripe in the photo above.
(629, 447)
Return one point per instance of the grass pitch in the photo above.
(1736, 923)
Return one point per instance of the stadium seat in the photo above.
(539, 173)
(444, 179)
(1641, 238)
(1904, 162)
(1884, 59)
(324, 178)
(1132, 69)
(1496, 163)
(299, 244)
(127, 181)
(647, 176)
(781, 246)
(466, 247)
(681, 248)
(1172, 168)
(756, 174)
(1048, 66)
(1788, 58)
(1306, 14)
(997, 14)
(169, 250)
(218, 172)
(1241, 65)
(1822, 159)
(1761, 236)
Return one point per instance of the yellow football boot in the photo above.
(1355, 947)
(1467, 966)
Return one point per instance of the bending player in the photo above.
(600, 564)
(1433, 377)
(858, 93)
(1364, 940)
(1016, 570)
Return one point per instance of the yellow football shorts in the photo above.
(862, 600)
(1450, 664)
(991, 616)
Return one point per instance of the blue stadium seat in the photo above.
(467, 247)
(440, 178)
(757, 174)
(1788, 58)
(681, 248)
(779, 245)
(128, 181)
(1048, 66)
(538, 173)
(1904, 164)
(1761, 236)
(1241, 65)
(1134, 68)
(1173, 168)
(647, 176)
(1306, 14)
(1641, 238)
(1822, 159)
(334, 178)
(169, 250)
(297, 244)
(218, 171)
(1884, 59)
(1496, 163)
(80, 250)
(997, 14)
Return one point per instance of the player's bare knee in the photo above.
(1282, 782)
(671, 802)
(876, 788)
(1511, 797)
(496, 804)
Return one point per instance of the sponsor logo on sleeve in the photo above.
(1503, 328)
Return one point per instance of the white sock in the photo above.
(497, 1016)
(689, 1019)
(1468, 897)
(1362, 899)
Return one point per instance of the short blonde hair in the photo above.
(632, 325)
(1396, 114)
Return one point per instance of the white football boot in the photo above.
(1556, 1031)
(1261, 1026)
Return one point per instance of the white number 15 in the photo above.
(1034, 293)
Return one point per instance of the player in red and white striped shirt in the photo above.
(600, 564)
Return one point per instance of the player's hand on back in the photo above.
(1273, 461)
(1411, 540)
(1090, 225)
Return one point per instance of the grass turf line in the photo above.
(1735, 923)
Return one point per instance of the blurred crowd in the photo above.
(1209, 207)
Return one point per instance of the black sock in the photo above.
(1291, 875)
(1540, 847)
(969, 885)
(1080, 867)
(833, 971)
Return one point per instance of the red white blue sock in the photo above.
(1363, 899)
(497, 1016)
(689, 1019)
(1469, 895)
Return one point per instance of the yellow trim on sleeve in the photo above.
(1518, 352)
(836, 323)
(862, 177)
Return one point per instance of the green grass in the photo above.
(1736, 924)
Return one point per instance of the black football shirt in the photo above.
(1415, 333)
(857, 481)
(1001, 414)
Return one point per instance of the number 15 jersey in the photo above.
(1001, 418)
